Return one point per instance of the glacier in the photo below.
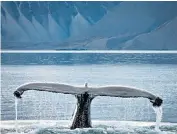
(90, 25)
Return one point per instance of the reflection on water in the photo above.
(88, 58)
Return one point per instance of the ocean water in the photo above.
(158, 76)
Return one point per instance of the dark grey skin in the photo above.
(82, 118)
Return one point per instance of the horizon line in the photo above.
(89, 51)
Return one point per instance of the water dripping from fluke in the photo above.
(16, 115)
(85, 95)
(158, 111)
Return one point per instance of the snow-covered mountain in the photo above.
(89, 25)
(164, 38)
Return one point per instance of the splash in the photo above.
(16, 115)
(158, 111)
(99, 127)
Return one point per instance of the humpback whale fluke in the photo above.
(85, 95)
(157, 102)
(17, 94)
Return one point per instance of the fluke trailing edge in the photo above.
(86, 94)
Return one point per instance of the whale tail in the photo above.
(157, 102)
(85, 95)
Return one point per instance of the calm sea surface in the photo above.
(156, 73)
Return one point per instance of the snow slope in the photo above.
(86, 25)
(163, 38)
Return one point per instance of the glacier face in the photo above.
(88, 25)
